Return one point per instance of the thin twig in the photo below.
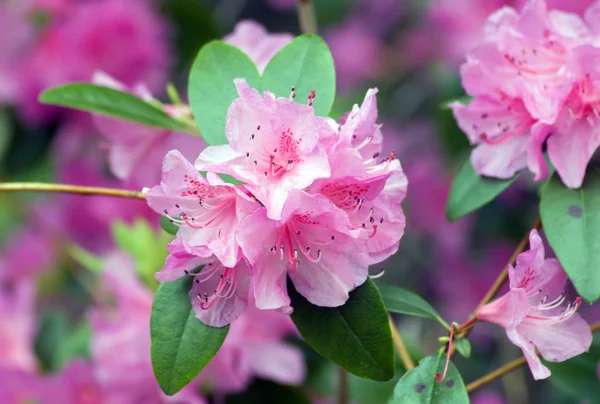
(500, 279)
(70, 189)
(401, 347)
(509, 367)
(343, 386)
(307, 17)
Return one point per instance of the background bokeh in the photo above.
(409, 49)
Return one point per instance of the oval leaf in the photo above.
(470, 191)
(571, 220)
(211, 89)
(420, 386)
(463, 346)
(403, 301)
(306, 64)
(181, 344)
(109, 101)
(168, 226)
(355, 336)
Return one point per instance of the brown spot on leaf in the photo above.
(575, 211)
(419, 388)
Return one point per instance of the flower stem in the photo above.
(509, 367)
(401, 347)
(342, 386)
(307, 17)
(500, 280)
(69, 189)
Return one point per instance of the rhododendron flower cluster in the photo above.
(534, 81)
(533, 314)
(319, 203)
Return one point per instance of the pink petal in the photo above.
(503, 160)
(559, 341)
(538, 370)
(277, 361)
(182, 259)
(536, 161)
(508, 310)
(571, 147)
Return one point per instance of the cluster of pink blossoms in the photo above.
(533, 314)
(535, 81)
(319, 203)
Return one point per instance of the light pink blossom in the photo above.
(257, 42)
(273, 147)
(206, 209)
(313, 242)
(219, 294)
(136, 151)
(531, 311)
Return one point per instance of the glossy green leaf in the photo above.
(571, 221)
(578, 376)
(306, 64)
(419, 385)
(403, 301)
(211, 88)
(53, 330)
(463, 346)
(109, 101)
(356, 336)
(181, 345)
(470, 191)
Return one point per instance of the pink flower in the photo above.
(257, 42)
(207, 210)
(219, 294)
(125, 39)
(136, 151)
(17, 324)
(313, 242)
(273, 147)
(531, 315)
(253, 348)
(534, 83)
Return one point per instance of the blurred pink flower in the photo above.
(17, 323)
(273, 146)
(136, 151)
(257, 42)
(253, 348)
(357, 53)
(126, 39)
(487, 397)
(531, 315)
(27, 253)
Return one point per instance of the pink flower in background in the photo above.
(75, 384)
(487, 397)
(17, 323)
(257, 42)
(125, 39)
(136, 151)
(27, 253)
(253, 348)
(357, 52)
(208, 209)
(273, 147)
(534, 82)
(531, 311)
(313, 242)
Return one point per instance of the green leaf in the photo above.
(168, 226)
(211, 89)
(355, 336)
(76, 345)
(578, 376)
(109, 101)
(403, 301)
(53, 330)
(142, 242)
(463, 346)
(419, 385)
(181, 344)
(571, 221)
(306, 64)
(85, 258)
(470, 191)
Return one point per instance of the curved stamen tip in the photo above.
(378, 275)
